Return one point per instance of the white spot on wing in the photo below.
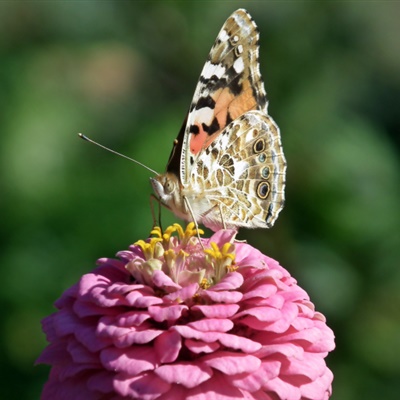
(204, 115)
(223, 36)
(238, 65)
(240, 167)
(211, 69)
(224, 141)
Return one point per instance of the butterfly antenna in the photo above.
(84, 137)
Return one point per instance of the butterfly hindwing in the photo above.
(242, 174)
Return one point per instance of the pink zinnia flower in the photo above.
(179, 318)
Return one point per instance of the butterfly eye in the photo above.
(259, 146)
(263, 190)
(169, 186)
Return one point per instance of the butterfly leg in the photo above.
(158, 201)
(187, 203)
(222, 217)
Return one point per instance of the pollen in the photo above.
(205, 283)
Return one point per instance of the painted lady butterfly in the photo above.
(227, 166)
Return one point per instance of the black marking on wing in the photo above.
(228, 118)
(214, 127)
(194, 129)
(205, 102)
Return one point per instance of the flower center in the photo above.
(180, 255)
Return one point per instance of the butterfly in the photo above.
(227, 168)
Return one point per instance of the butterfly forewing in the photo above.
(229, 85)
(227, 167)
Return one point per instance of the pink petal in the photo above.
(182, 294)
(132, 361)
(230, 281)
(222, 296)
(120, 289)
(320, 388)
(136, 299)
(217, 310)
(197, 346)
(86, 309)
(231, 363)
(86, 334)
(64, 322)
(167, 313)
(289, 350)
(310, 365)
(239, 343)
(262, 314)
(212, 325)
(168, 346)
(147, 386)
(186, 373)
(162, 280)
(284, 390)
(228, 340)
(101, 381)
(221, 237)
(124, 337)
(127, 319)
(80, 354)
(176, 392)
(264, 290)
(216, 388)
(247, 256)
(255, 381)
(55, 353)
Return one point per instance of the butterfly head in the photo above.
(167, 188)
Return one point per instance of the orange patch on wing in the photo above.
(225, 102)
(223, 98)
(197, 140)
(244, 102)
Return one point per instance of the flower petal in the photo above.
(212, 325)
(217, 310)
(167, 313)
(146, 386)
(133, 361)
(222, 296)
(186, 374)
(217, 388)
(167, 346)
(198, 346)
(231, 363)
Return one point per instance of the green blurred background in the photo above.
(124, 73)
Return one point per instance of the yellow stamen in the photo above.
(156, 232)
(222, 260)
(190, 231)
(150, 249)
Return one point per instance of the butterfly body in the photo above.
(227, 167)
